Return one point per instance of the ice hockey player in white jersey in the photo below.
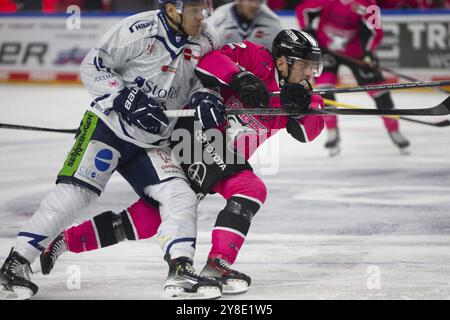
(250, 20)
(143, 65)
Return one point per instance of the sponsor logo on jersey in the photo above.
(165, 156)
(197, 172)
(103, 160)
(150, 88)
(78, 149)
(201, 137)
(141, 24)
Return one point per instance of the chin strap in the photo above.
(179, 25)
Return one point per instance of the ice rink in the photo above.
(368, 224)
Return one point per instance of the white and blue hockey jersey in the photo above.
(262, 30)
(143, 52)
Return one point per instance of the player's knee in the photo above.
(251, 187)
(67, 200)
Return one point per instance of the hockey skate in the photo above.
(183, 283)
(50, 255)
(15, 283)
(400, 141)
(233, 282)
(333, 142)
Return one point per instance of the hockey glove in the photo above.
(294, 97)
(371, 60)
(139, 110)
(209, 109)
(252, 89)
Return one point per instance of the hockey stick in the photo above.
(20, 127)
(401, 75)
(375, 87)
(396, 73)
(443, 123)
(441, 109)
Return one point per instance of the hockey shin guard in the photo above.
(231, 228)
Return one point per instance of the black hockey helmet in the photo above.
(295, 45)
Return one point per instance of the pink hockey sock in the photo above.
(245, 193)
(145, 219)
(390, 124)
(139, 221)
(81, 238)
(226, 244)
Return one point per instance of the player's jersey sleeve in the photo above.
(218, 67)
(307, 10)
(106, 62)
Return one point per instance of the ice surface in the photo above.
(328, 223)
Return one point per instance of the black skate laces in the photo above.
(19, 270)
(58, 248)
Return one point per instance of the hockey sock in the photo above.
(231, 228)
(139, 221)
(331, 122)
(384, 101)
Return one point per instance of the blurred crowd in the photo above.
(144, 5)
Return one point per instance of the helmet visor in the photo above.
(195, 7)
(306, 66)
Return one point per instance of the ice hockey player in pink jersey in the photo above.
(348, 33)
(247, 72)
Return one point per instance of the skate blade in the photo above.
(203, 293)
(404, 151)
(233, 287)
(15, 293)
(333, 152)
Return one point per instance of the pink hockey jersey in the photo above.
(222, 65)
(345, 26)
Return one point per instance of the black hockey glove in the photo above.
(139, 110)
(252, 89)
(209, 109)
(294, 97)
(371, 60)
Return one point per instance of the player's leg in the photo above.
(79, 183)
(328, 79)
(245, 194)
(383, 101)
(139, 221)
(155, 176)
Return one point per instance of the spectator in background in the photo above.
(89, 5)
(276, 4)
(133, 5)
(7, 6)
(218, 3)
(411, 4)
(28, 5)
